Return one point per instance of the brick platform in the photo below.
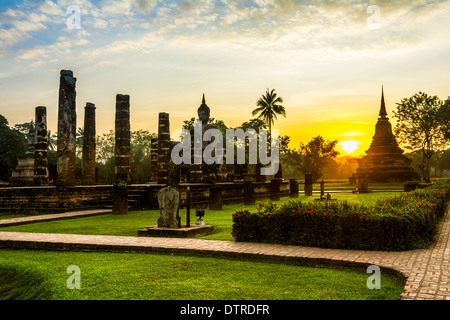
(427, 272)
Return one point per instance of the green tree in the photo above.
(12, 147)
(422, 121)
(24, 128)
(444, 161)
(254, 124)
(105, 157)
(52, 140)
(269, 108)
(140, 156)
(317, 154)
(189, 125)
(141, 142)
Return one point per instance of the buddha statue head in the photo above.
(204, 112)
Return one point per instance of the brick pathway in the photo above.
(52, 217)
(427, 272)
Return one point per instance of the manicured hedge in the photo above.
(407, 221)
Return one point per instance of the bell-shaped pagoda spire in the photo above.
(383, 112)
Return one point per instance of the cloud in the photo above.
(146, 6)
(64, 46)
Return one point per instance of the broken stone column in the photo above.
(249, 193)
(293, 188)
(215, 198)
(122, 155)
(41, 148)
(275, 190)
(163, 147)
(169, 204)
(67, 128)
(89, 145)
(308, 185)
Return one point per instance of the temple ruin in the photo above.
(385, 160)
(200, 186)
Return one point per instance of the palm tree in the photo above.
(52, 140)
(269, 108)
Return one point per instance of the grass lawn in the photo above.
(128, 225)
(40, 275)
(36, 275)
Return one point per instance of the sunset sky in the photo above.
(321, 56)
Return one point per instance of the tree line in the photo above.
(423, 125)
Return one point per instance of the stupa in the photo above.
(385, 160)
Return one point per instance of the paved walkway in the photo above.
(52, 217)
(427, 272)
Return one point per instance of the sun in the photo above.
(349, 146)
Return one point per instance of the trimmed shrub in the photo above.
(407, 221)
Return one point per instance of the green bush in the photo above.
(403, 222)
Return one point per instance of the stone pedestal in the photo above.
(23, 174)
(67, 128)
(89, 145)
(193, 231)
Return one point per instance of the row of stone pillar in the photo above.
(67, 130)
(66, 150)
(215, 193)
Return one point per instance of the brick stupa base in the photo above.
(192, 232)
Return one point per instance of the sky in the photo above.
(327, 59)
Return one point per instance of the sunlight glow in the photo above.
(349, 146)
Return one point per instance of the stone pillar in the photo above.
(275, 190)
(67, 128)
(259, 176)
(308, 185)
(215, 198)
(89, 145)
(163, 147)
(41, 148)
(322, 189)
(154, 160)
(293, 188)
(122, 155)
(249, 193)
